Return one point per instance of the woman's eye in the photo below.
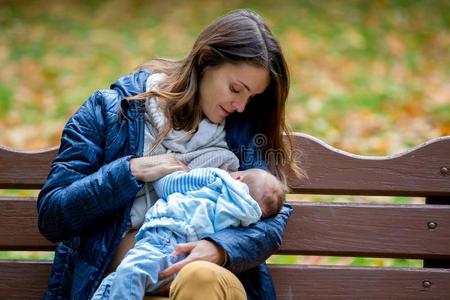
(233, 89)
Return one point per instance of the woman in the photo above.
(235, 72)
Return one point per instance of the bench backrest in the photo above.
(316, 228)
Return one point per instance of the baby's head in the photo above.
(265, 188)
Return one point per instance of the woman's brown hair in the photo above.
(238, 37)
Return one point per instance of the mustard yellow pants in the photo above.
(201, 280)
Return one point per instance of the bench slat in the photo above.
(25, 169)
(313, 282)
(345, 229)
(28, 280)
(23, 279)
(18, 225)
(330, 171)
(416, 172)
(368, 230)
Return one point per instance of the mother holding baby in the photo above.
(233, 85)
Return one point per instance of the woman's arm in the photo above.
(246, 247)
(241, 248)
(80, 189)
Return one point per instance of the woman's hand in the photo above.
(151, 168)
(198, 250)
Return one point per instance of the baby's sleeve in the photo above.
(182, 182)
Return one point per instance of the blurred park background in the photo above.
(368, 77)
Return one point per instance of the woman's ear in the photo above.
(203, 70)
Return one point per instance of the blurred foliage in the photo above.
(35, 255)
(345, 261)
(368, 77)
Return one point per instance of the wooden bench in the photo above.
(316, 228)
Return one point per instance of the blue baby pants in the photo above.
(138, 271)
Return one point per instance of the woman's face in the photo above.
(227, 88)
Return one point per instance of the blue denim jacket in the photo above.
(85, 203)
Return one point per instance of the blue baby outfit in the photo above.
(192, 205)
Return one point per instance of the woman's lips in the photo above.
(226, 112)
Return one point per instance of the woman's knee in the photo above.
(205, 280)
(203, 272)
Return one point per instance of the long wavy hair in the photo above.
(241, 36)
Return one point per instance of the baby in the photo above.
(192, 205)
(264, 188)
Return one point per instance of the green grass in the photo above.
(5, 99)
(350, 56)
(24, 255)
(351, 261)
(18, 193)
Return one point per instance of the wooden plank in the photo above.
(23, 279)
(437, 263)
(368, 230)
(317, 282)
(18, 225)
(313, 229)
(25, 169)
(417, 172)
(28, 280)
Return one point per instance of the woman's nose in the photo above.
(239, 104)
